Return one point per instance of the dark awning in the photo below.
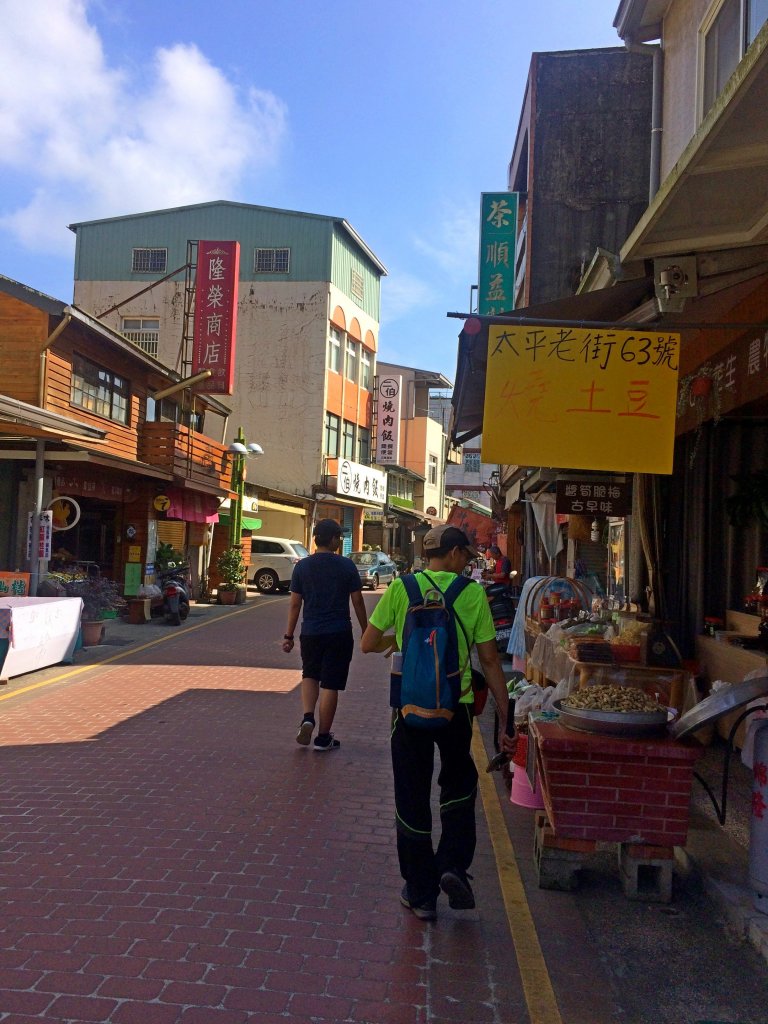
(606, 305)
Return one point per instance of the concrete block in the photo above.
(645, 878)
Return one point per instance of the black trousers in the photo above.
(413, 758)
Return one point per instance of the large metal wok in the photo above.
(614, 723)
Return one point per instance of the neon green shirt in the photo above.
(471, 608)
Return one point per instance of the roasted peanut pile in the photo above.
(612, 698)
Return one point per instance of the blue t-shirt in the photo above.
(325, 582)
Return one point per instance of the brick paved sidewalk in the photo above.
(169, 854)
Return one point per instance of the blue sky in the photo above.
(394, 115)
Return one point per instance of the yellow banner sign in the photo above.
(581, 399)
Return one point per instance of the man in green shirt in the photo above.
(447, 551)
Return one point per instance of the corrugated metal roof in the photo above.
(251, 207)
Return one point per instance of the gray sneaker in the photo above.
(304, 735)
(426, 911)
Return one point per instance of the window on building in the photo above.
(332, 435)
(472, 462)
(348, 440)
(99, 391)
(149, 261)
(334, 351)
(365, 369)
(432, 471)
(356, 286)
(363, 446)
(757, 15)
(163, 411)
(730, 31)
(144, 332)
(271, 261)
(350, 360)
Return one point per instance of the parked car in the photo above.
(272, 561)
(374, 567)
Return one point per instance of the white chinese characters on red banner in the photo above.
(218, 266)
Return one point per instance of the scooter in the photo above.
(174, 584)
(502, 599)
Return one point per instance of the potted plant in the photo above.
(100, 596)
(231, 569)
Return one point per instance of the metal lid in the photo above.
(719, 703)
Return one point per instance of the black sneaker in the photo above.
(326, 742)
(458, 890)
(426, 911)
(304, 735)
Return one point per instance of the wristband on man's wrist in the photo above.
(287, 637)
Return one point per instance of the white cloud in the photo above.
(403, 293)
(93, 140)
(453, 244)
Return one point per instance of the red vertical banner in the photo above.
(218, 268)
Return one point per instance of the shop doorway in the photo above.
(92, 539)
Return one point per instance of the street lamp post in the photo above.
(240, 452)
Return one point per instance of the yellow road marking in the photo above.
(537, 985)
(117, 657)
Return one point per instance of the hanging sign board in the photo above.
(582, 399)
(357, 481)
(592, 498)
(39, 534)
(496, 265)
(213, 348)
(389, 411)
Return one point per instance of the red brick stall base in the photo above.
(611, 789)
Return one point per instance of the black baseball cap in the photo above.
(447, 536)
(326, 530)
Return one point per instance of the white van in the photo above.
(272, 562)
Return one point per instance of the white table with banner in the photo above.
(36, 632)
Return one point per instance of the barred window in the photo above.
(99, 391)
(144, 332)
(271, 261)
(356, 286)
(149, 261)
(472, 462)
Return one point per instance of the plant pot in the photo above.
(701, 386)
(93, 633)
(227, 596)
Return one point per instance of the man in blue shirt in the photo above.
(324, 583)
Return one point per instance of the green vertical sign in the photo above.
(498, 235)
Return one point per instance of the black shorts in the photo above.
(326, 657)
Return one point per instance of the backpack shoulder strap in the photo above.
(412, 589)
(456, 587)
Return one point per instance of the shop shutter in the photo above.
(172, 531)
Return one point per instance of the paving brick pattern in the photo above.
(169, 854)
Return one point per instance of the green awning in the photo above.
(248, 522)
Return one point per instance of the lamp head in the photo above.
(237, 448)
(255, 449)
